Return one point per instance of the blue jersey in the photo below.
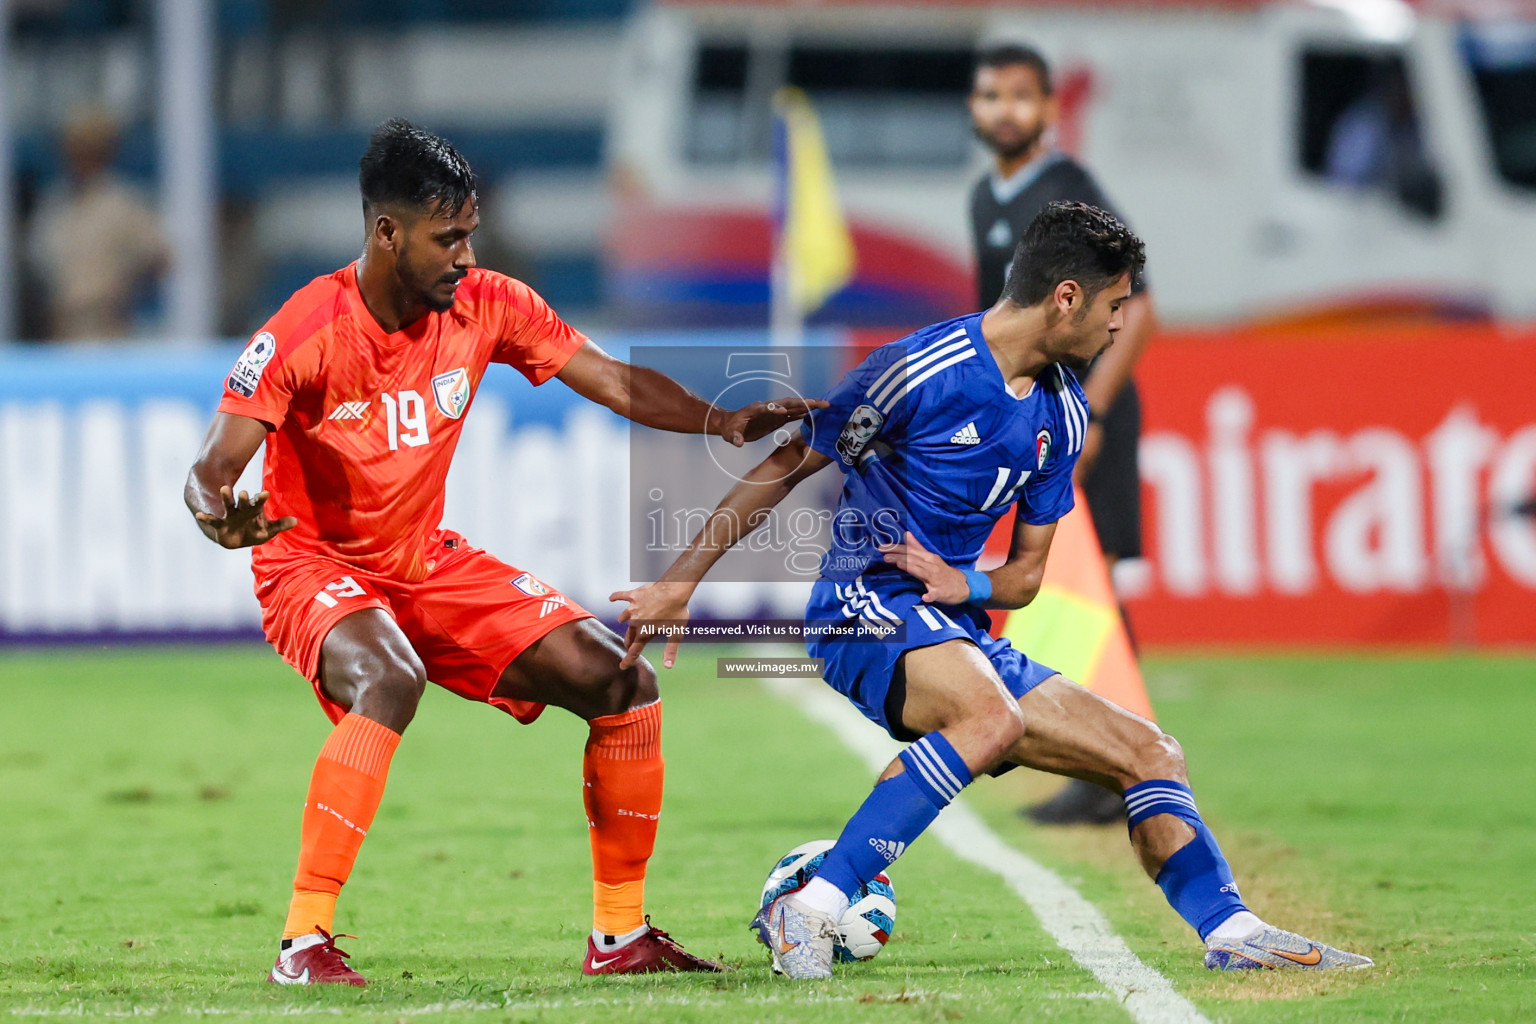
(930, 439)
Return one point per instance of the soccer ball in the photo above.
(871, 915)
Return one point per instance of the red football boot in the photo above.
(654, 951)
(314, 960)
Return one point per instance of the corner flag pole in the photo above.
(813, 254)
(786, 324)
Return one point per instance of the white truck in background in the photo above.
(1210, 128)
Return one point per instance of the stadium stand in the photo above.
(300, 87)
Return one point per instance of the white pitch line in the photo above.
(1072, 921)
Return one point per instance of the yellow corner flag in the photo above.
(814, 252)
(1073, 624)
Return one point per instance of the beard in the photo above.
(1078, 363)
(1013, 149)
(423, 287)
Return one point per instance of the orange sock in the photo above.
(344, 793)
(623, 770)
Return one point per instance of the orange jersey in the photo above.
(365, 423)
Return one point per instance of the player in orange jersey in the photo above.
(359, 386)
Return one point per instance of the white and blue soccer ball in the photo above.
(871, 915)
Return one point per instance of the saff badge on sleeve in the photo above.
(252, 362)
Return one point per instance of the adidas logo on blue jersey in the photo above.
(890, 849)
(966, 435)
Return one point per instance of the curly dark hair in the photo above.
(1072, 242)
(404, 164)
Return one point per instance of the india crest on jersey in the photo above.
(451, 392)
(530, 586)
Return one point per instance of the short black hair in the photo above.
(1002, 55)
(1072, 242)
(404, 164)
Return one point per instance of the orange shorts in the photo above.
(467, 621)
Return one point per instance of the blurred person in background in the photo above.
(1376, 143)
(31, 316)
(95, 241)
(1013, 112)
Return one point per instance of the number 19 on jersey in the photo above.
(405, 412)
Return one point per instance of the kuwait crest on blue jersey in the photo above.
(451, 392)
(1042, 448)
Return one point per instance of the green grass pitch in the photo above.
(150, 799)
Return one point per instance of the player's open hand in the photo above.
(946, 584)
(654, 609)
(760, 419)
(243, 524)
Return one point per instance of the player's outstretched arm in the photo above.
(742, 510)
(653, 399)
(227, 519)
(1014, 583)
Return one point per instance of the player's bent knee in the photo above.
(387, 687)
(404, 683)
(1174, 753)
(616, 690)
(1159, 756)
(1010, 724)
(999, 729)
(646, 690)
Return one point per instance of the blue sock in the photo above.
(1197, 880)
(895, 813)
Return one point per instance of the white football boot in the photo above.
(799, 937)
(1274, 949)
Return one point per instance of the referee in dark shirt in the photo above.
(1013, 110)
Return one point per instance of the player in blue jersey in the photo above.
(938, 435)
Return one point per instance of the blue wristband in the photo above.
(980, 584)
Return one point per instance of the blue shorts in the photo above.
(861, 666)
